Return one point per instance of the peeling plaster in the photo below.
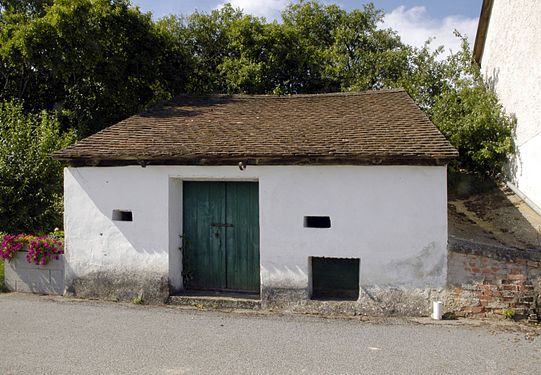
(426, 268)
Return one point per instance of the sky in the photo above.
(414, 20)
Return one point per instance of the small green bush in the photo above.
(138, 300)
(30, 181)
(509, 313)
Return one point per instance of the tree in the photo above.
(469, 114)
(23, 8)
(30, 181)
(94, 62)
(424, 76)
(317, 48)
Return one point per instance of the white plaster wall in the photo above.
(511, 60)
(394, 218)
(96, 243)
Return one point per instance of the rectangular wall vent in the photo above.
(122, 215)
(317, 222)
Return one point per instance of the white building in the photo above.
(291, 198)
(508, 47)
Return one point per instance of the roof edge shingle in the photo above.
(264, 160)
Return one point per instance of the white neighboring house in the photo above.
(508, 48)
(289, 198)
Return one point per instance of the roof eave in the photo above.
(482, 27)
(261, 160)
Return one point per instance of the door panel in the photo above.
(242, 238)
(204, 263)
(221, 236)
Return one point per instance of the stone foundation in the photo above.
(373, 301)
(150, 288)
(278, 298)
(483, 281)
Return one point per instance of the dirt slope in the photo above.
(484, 211)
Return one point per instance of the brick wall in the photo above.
(487, 280)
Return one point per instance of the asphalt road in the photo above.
(41, 335)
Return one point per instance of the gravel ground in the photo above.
(44, 335)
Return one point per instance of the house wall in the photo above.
(116, 259)
(394, 218)
(510, 61)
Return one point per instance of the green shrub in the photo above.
(138, 300)
(474, 122)
(469, 114)
(30, 181)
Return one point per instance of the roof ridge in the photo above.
(325, 94)
(293, 96)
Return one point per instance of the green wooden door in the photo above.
(221, 236)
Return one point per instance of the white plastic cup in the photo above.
(437, 310)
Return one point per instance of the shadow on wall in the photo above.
(491, 80)
(514, 164)
(482, 211)
(30, 278)
(112, 251)
(118, 227)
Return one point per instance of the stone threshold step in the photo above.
(215, 302)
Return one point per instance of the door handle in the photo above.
(221, 225)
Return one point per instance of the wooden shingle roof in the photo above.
(372, 127)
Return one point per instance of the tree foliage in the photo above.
(94, 62)
(468, 113)
(317, 48)
(30, 181)
(91, 63)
